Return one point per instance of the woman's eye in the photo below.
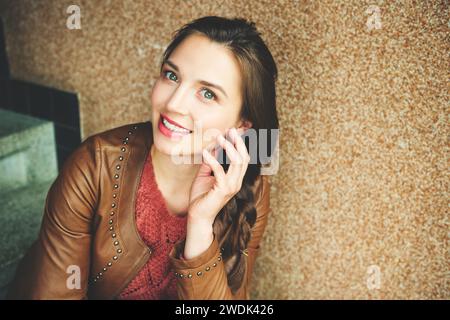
(209, 95)
(173, 78)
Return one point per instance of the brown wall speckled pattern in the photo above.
(363, 180)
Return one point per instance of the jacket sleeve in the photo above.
(60, 256)
(204, 277)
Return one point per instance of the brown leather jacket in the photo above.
(89, 222)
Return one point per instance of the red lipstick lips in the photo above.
(174, 122)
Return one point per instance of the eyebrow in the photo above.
(204, 82)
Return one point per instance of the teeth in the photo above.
(173, 128)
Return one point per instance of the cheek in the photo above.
(157, 96)
(220, 119)
(214, 123)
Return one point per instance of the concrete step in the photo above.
(27, 150)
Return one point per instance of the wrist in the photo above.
(199, 236)
(200, 221)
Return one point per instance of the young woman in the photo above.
(123, 220)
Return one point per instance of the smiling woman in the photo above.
(215, 74)
(137, 225)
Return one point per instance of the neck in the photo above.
(176, 177)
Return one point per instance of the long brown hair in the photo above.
(232, 226)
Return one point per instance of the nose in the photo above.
(177, 102)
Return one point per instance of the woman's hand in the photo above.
(209, 194)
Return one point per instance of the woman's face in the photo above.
(198, 89)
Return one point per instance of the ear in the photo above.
(244, 126)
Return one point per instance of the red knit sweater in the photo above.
(160, 230)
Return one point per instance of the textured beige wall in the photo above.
(363, 177)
